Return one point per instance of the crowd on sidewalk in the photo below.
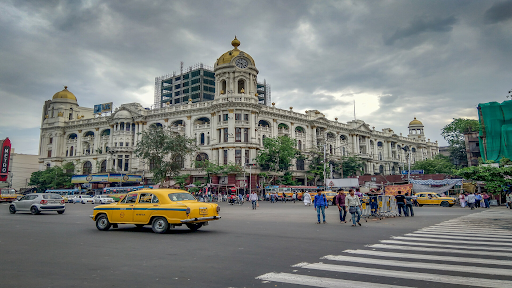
(472, 200)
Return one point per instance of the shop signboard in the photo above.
(6, 156)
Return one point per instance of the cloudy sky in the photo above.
(434, 60)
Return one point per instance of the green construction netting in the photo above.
(496, 132)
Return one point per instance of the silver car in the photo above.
(103, 199)
(38, 202)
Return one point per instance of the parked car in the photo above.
(36, 203)
(84, 199)
(103, 199)
(425, 198)
(162, 209)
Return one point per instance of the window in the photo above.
(246, 135)
(67, 153)
(225, 157)
(121, 144)
(51, 140)
(226, 135)
(128, 126)
(49, 153)
(120, 163)
(201, 142)
(219, 118)
(241, 85)
(299, 145)
(155, 199)
(300, 164)
(126, 144)
(220, 134)
(225, 117)
(130, 198)
(145, 198)
(238, 157)
(247, 156)
(126, 164)
(223, 85)
(87, 168)
(103, 167)
(238, 134)
(115, 144)
(238, 116)
(71, 151)
(246, 117)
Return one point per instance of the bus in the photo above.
(286, 191)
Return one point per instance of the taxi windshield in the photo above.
(181, 196)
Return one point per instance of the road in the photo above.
(277, 245)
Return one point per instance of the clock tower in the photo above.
(235, 73)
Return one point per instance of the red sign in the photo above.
(233, 189)
(4, 161)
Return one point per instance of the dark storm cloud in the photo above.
(499, 12)
(419, 26)
(435, 60)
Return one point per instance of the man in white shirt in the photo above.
(254, 199)
(471, 200)
(353, 204)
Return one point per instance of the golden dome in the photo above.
(228, 56)
(64, 94)
(415, 122)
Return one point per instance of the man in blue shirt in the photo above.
(320, 205)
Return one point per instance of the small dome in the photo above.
(228, 56)
(123, 114)
(415, 122)
(64, 94)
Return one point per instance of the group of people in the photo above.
(473, 200)
(350, 202)
(404, 204)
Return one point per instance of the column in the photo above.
(213, 127)
(292, 130)
(188, 127)
(375, 149)
(79, 151)
(231, 125)
(55, 148)
(252, 129)
(274, 128)
(354, 144)
(389, 149)
(313, 136)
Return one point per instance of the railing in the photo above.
(203, 126)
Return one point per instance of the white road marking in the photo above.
(449, 279)
(421, 265)
(453, 237)
(493, 231)
(448, 246)
(319, 281)
(426, 249)
(463, 234)
(431, 257)
(447, 240)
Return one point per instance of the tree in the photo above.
(453, 133)
(439, 164)
(316, 165)
(350, 166)
(55, 177)
(277, 153)
(165, 150)
(497, 179)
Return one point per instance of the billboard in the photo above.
(343, 183)
(4, 162)
(102, 108)
(105, 177)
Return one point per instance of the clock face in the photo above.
(241, 63)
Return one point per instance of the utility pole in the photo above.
(325, 160)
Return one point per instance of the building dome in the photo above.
(228, 56)
(64, 94)
(123, 114)
(415, 122)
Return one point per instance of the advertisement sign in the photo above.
(343, 183)
(101, 108)
(405, 172)
(104, 178)
(6, 156)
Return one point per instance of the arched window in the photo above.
(47, 165)
(89, 134)
(128, 126)
(71, 152)
(87, 168)
(105, 132)
(241, 86)
(299, 144)
(201, 142)
(121, 126)
(300, 164)
(178, 162)
(223, 86)
(103, 167)
(72, 136)
(379, 144)
(299, 129)
(263, 123)
(343, 137)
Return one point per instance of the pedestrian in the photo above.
(320, 205)
(471, 200)
(254, 199)
(508, 199)
(408, 205)
(354, 207)
(478, 198)
(294, 197)
(340, 201)
(400, 202)
(307, 199)
(462, 199)
(486, 200)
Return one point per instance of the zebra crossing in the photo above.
(471, 251)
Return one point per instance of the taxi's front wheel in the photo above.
(160, 225)
(102, 222)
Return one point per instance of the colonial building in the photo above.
(228, 129)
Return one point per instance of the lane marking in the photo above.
(447, 240)
(468, 230)
(461, 234)
(453, 237)
(465, 281)
(319, 281)
(448, 246)
(426, 249)
(430, 257)
(421, 265)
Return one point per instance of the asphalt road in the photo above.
(51, 250)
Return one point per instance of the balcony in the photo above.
(203, 126)
(242, 123)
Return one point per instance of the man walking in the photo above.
(400, 202)
(354, 207)
(471, 200)
(254, 199)
(408, 205)
(478, 199)
(320, 205)
(340, 201)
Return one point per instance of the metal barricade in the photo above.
(387, 206)
(366, 211)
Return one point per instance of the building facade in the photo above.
(228, 129)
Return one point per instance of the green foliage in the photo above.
(350, 166)
(181, 180)
(316, 166)
(453, 133)
(287, 179)
(505, 161)
(440, 164)
(165, 150)
(56, 177)
(496, 179)
(277, 153)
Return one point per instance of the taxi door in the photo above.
(422, 199)
(124, 209)
(145, 208)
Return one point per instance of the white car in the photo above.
(83, 199)
(102, 199)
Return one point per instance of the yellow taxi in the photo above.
(329, 195)
(160, 208)
(432, 198)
